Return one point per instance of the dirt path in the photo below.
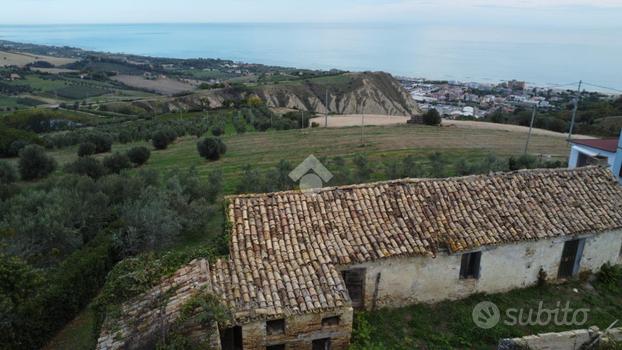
(507, 127)
(356, 120)
(340, 121)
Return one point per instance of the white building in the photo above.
(597, 152)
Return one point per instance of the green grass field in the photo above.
(78, 334)
(265, 149)
(449, 325)
(37, 83)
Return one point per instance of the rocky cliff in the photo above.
(349, 93)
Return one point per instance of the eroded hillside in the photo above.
(348, 93)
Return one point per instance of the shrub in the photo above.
(34, 163)
(159, 140)
(610, 275)
(217, 130)
(293, 120)
(7, 173)
(211, 148)
(162, 138)
(363, 169)
(117, 162)
(250, 181)
(139, 155)
(525, 161)
(86, 166)
(102, 142)
(432, 117)
(239, 124)
(18, 283)
(11, 140)
(437, 165)
(86, 149)
(150, 223)
(15, 147)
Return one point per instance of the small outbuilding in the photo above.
(605, 152)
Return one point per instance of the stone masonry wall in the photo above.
(571, 340)
(300, 331)
(147, 317)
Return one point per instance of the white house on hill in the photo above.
(597, 151)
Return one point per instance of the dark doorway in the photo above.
(231, 338)
(469, 265)
(586, 160)
(571, 258)
(321, 344)
(355, 283)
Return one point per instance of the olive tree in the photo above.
(211, 148)
(34, 163)
(7, 173)
(139, 155)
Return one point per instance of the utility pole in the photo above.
(326, 104)
(533, 118)
(574, 111)
(363, 129)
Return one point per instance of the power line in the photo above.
(603, 87)
(561, 85)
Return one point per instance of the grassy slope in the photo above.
(264, 150)
(77, 335)
(449, 325)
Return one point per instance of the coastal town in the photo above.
(473, 100)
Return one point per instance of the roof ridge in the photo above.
(409, 180)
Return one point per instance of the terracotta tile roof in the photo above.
(285, 248)
(609, 145)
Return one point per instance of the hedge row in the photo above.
(59, 297)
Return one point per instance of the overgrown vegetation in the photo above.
(360, 170)
(595, 116)
(449, 325)
(61, 237)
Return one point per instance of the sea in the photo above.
(553, 57)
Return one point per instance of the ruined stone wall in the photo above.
(564, 340)
(405, 281)
(300, 331)
(147, 318)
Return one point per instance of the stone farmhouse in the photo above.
(300, 263)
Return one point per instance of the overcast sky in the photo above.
(583, 12)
